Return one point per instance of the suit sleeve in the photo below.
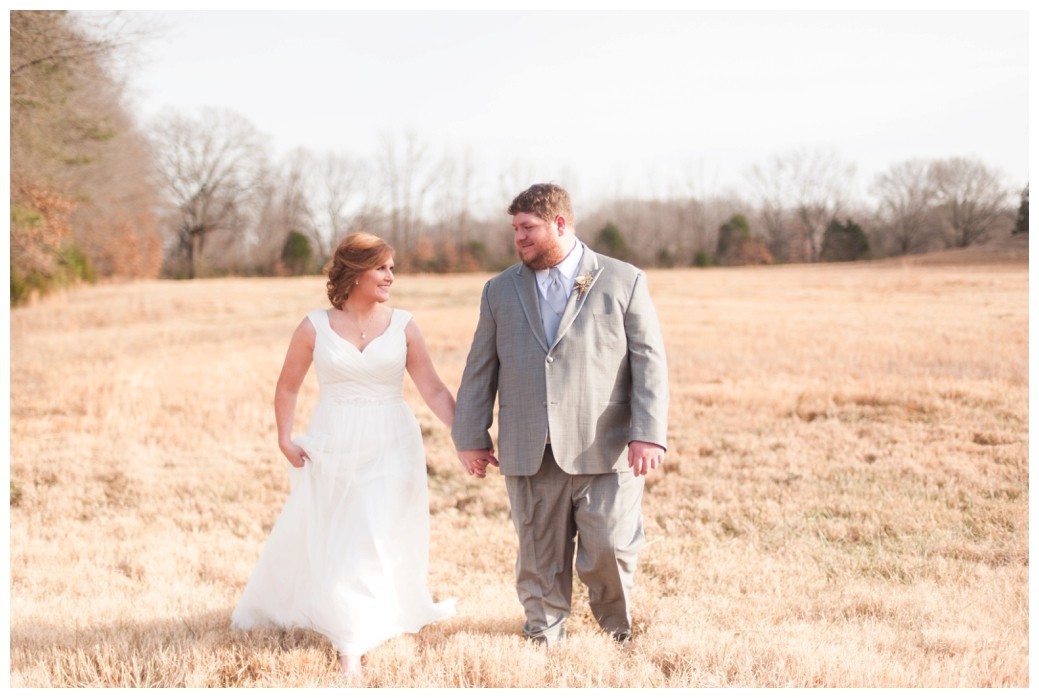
(648, 363)
(474, 411)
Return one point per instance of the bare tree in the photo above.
(81, 171)
(455, 201)
(701, 208)
(971, 197)
(906, 195)
(342, 199)
(812, 185)
(282, 206)
(821, 182)
(211, 164)
(408, 175)
(460, 243)
(52, 38)
(771, 184)
(513, 179)
(295, 176)
(114, 223)
(694, 218)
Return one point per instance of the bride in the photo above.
(348, 555)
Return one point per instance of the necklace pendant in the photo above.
(363, 335)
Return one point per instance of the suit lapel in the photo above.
(527, 290)
(589, 267)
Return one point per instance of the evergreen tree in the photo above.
(611, 242)
(844, 243)
(297, 253)
(730, 235)
(1022, 214)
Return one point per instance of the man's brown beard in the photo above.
(545, 259)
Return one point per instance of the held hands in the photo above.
(294, 453)
(476, 461)
(644, 456)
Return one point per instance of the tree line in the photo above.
(96, 195)
(83, 194)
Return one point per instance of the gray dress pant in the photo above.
(599, 517)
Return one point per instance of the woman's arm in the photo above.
(424, 374)
(297, 362)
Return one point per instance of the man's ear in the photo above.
(560, 225)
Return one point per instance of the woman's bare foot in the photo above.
(350, 665)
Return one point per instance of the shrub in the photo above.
(611, 241)
(665, 259)
(737, 247)
(296, 253)
(844, 243)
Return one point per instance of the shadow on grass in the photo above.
(199, 650)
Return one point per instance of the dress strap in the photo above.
(400, 318)
(320, 320)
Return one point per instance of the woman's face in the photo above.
(374, 284)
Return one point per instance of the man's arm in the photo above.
(649, 379)
(474, 410)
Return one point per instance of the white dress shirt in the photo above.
(567, 269)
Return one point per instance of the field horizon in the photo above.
(844, 501)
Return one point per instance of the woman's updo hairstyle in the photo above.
(356, 254)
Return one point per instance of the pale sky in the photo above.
(640, 102)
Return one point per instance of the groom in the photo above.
(569, 343)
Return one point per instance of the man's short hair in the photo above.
(546, 201)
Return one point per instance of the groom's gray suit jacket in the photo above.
(601, 384)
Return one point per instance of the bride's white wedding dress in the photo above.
(348, 555)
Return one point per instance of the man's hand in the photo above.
(644, 456)
(476, 461)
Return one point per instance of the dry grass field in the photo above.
(844, 504)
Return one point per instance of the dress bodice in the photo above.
(348, 375)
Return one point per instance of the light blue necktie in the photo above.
(555, 295)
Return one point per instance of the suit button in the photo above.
(550, 359)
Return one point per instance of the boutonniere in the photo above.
(582, 284)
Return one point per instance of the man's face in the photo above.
(537, 241)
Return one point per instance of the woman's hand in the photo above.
(296, 455)
(476, 461)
